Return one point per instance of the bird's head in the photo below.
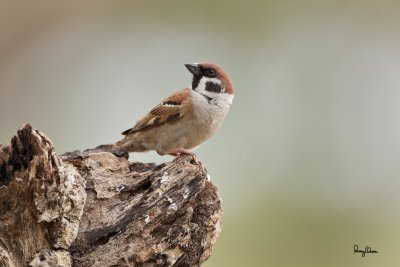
(210, 79)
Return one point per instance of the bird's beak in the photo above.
(194, 69)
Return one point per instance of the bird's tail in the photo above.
(110, 148)
(132, 143)
(119, 143)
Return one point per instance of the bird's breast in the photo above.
(209, 114)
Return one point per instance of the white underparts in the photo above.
(211, 107)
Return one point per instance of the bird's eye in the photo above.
(211, 72)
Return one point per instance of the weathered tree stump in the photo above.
(96, 208)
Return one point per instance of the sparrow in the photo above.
(185, 119)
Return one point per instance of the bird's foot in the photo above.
(178, 152)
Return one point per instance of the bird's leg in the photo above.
(177, 152)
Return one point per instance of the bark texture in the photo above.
(96, 208)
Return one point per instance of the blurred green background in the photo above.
(307, 161)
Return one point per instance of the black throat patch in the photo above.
(195, 82)
(213, 87)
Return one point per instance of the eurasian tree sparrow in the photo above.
(187, 118)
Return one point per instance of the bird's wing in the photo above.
(170, 109)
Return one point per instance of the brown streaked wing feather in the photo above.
(167, 111)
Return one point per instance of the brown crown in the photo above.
(222, 75)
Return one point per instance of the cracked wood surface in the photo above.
(96, 208)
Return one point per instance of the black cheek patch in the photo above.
(213, 87)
